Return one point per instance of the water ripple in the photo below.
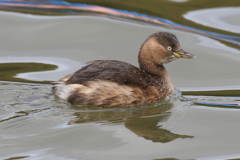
(74, 8)
(215, 18)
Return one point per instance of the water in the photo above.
(41, 42)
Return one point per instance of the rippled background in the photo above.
(42, 41)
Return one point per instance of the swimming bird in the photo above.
(112, 83)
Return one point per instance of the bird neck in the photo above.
(157, 76)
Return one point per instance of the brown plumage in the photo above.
(110, 83)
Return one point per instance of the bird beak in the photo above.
(183, 54)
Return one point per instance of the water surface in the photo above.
(41, 42)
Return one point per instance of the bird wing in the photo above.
(109, 70)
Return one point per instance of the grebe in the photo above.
(111, 83)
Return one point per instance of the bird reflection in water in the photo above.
(141, 120)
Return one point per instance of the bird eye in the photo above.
(169, 48)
